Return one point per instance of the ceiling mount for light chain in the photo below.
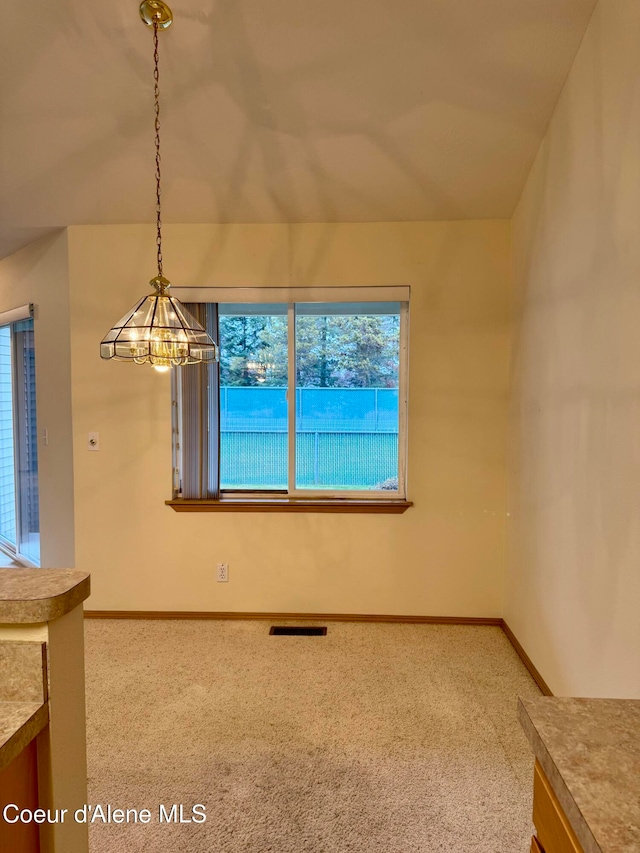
(156, 13)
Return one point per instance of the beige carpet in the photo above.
(373, 739)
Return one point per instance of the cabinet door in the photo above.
(19, 785)
(553, 829)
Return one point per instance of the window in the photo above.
(19, 516)
(308, 400)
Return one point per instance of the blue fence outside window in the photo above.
(347, 438)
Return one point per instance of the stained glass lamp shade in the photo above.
(158, 330)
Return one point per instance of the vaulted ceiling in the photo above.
(280, 111)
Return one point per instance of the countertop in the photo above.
(40, 595)
(589, 750)
(24, 710)
(20, 722)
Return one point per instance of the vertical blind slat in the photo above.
(199, 399)
(213, 402)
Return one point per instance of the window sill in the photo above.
(273, 504)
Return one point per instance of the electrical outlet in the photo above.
(223, 573)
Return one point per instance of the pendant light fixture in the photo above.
(158, 330)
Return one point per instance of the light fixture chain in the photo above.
(156, 96)
(143, 336)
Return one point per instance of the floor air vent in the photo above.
(296, 631)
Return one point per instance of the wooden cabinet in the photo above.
(19, 784)
(554, 833)
(41, 607)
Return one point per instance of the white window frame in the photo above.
(291, 297)
(8, 319)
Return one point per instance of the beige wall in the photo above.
(444, 557)
(573, 585)
(39, 274)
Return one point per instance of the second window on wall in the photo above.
(19, 506)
